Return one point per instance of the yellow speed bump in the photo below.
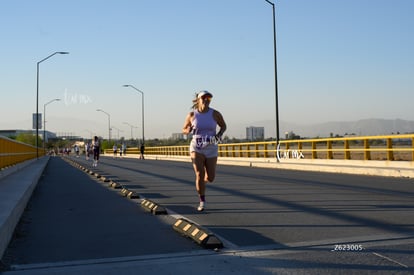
(153, 207)
(199, 234)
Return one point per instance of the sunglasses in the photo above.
(206, 97)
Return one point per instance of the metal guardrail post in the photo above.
(329, 154)
(367, 152)
(412, 148)
(390, 153)
(300, 146)
(346, 148)
(314, 153)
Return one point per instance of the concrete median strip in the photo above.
(199, 234)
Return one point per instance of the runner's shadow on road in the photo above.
(120, 181)
(152, 196)
(185, 209)
(244, 237)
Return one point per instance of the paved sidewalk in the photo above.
(16, 187)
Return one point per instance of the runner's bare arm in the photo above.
(220, 122)
(187, 128)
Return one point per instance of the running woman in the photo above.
(96, 149)
(202, 122)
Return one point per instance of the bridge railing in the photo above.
(13, 152)
(387, 147)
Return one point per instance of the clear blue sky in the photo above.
(337, 61)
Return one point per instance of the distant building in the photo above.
(14, 133)
(66, 136)
(254, 133)
(177, 136)
(291, 135)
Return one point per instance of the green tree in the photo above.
(29, 139)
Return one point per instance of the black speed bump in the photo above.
(200, 235)
(133, 195)
(124, 192)
(152, 207)
(129, 194)
(104, 179)
(115, 185)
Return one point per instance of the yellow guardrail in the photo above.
(386, 147)
(13, 152)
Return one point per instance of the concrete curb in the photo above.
(15, 192)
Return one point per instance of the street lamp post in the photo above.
(275, 57)
(119, 130)
(109, 123)
(44, 121)
(37, 100)
(132, 126)
(142, 115)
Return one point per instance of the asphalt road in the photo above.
(317, 222)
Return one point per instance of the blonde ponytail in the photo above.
(195, 102)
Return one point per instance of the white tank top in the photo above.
(204, 124)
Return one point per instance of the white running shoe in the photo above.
(200, 208)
